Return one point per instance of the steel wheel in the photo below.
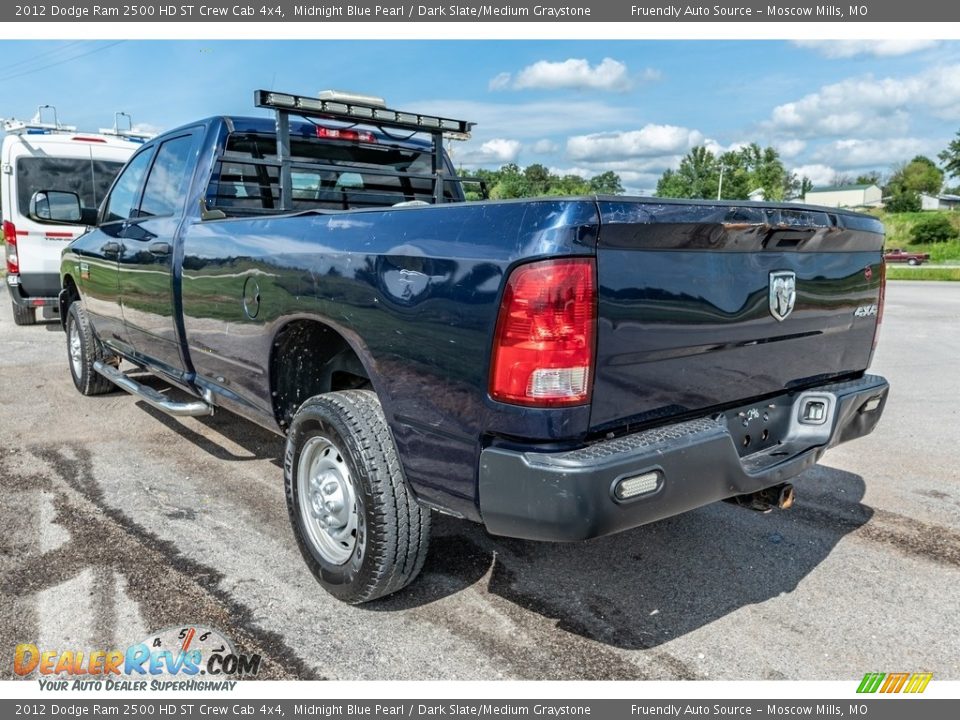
(356, 521)
(83, 349)
(75, 347)
(328, 500)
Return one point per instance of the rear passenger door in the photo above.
(148, 264)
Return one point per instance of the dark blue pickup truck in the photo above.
(556, 369)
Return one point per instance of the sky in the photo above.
(582, 107)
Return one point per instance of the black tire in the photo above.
(392, 530)
(87, 380)
(24, 315)
(913, 261)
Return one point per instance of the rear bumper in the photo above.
(570, 495)
(17, 285)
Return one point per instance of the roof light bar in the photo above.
(361, 108)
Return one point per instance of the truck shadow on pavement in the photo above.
(254, 442)
(650, 585)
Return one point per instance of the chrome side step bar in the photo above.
(152, 397)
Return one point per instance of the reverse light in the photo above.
(341, 134)
(543, 346)
(10, 238)
(631, 487)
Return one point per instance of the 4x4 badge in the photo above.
(783, 293)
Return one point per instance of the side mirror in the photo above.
(56, 206)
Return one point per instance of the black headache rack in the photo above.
(362, 110)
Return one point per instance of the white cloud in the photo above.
(817, 173)
(876, 48)
(500, 82)
(572, 74)
(498, 151)
(544, 147)
(790, 148)
(582, 172)
(648, 142)
(718, 149)
(146, 128)
(857, 153)
(868, 106)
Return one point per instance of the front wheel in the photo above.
(355, 519)
(83, 349)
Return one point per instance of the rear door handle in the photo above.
(160, 248)
(111, 248)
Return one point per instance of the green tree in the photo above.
(537, 179)
(607, 183)
(870, 178)
(906, 201)
(920, 175)
(697, 177)
(951, 157)
(798, 187)
(744, 170)
(933, 228)
(512, 181)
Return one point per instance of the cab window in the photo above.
(122, 202)
(169, 179)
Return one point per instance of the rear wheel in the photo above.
(913, 261)
(83, 349)
(24, 315)
(358, 525)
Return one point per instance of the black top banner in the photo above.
(471, 11)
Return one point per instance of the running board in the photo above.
(151, 396)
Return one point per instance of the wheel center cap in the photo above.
(327, 500)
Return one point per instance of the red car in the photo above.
(910, 258)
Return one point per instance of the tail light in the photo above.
(543, 347)
(880, 301)
(10, 238)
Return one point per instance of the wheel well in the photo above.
(308, 358)
(70, 286)
(64, 302)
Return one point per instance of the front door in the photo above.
(98, 259)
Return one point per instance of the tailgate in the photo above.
(689, 299)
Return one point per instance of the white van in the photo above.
(39, 155)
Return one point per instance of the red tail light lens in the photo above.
(10, 238)
(880, 301)
(544, 342)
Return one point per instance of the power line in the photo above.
(46, 53)
(5, 78)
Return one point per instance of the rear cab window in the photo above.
(326, 175)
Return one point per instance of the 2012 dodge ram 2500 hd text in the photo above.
(556, 369)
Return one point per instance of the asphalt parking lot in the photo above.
(118, 521)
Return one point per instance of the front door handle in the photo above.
(160, 248)
(111, 248)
